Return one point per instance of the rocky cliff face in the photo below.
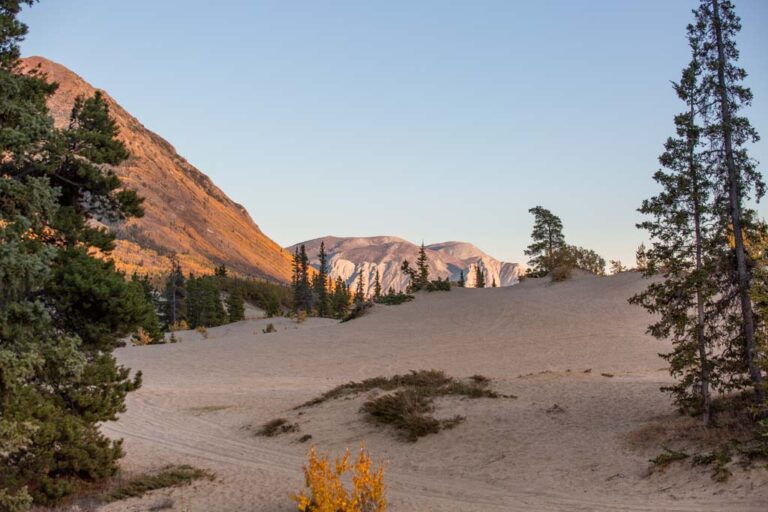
(186, 213)
(349, 257)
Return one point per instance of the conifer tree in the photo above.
(548, 241)
(617, 267)
(422, 269)
(585, 259)
(728, 133)
(462, 281)
(321, 284)
(479, 276)
(236, 305)
(412, 275)
(377, 285)
(340, 298)
(685, 241)
(493, 284)
(175, 295)
(641, 258)
(62, 311)
(360, 290)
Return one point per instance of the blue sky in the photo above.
(430, 120)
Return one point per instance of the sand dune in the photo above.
(534, 340)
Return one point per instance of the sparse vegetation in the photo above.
(202, 331)
(277, 426)
(408, 408)
(170, 476)
(394, 299)
(358, 310)
(326, 492)
(269, 328)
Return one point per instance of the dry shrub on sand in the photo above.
(326, 493)
(170, 476)
(277, 426)
(408, 408)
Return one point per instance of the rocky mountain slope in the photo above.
(349, 257)
(186, 213)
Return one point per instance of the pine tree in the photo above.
(493, 284)
(412, 275)
(377, 286)
(728, 133)
(360, 290)
(175, 311)
(685, 245)
(462, 281)
(585, 259)
(340, 299)
(548, 241)
(479, 276)
(422, 269)
(236, 305)
(62, 311)
(641, 258)
(321, 284)
(617, 267)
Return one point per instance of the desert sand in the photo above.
(203, 398)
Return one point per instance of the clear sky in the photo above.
(430, 120)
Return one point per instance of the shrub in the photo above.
(277, 426)
(358, 310)
(202, 330)
(269, 328)
(181, 325)
(438, 285)
(326, 492)
(141, 338)
(394, 299)
(561, 273)
(301, 316)
(666, 458)
(168, 477)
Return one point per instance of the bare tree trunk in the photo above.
(734, 195)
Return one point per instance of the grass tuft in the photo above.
(170, 476)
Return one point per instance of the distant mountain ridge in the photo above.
(186, 213)
(349, 257)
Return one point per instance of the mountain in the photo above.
(349, 257)
(186, 213)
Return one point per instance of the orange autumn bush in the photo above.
(326, 493)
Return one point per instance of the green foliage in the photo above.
(300, 282)
(277, 426)
(439, 285)
(269, 328)
(236, 305)
(462, 281)
(358, 310)
(175, 295)
(321, 283)
(340, 299)
(359, 297)
(62, 311)
(479, 276)
(585, 259)
(394, 299)
(204, 307)
(377, 286)
(547, 241)
(667, 457)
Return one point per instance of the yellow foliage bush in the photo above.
(326, 492)
(202, 330)
(141, 337)
(181, 325)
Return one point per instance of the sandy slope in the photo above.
(535, 340)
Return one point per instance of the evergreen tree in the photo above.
(321, 284)
(585, 259)
(548, 240)
(685, 245)
(340, 299)
(412, 275)
(377, 286)
(236, 305)
(493, 284)
(462, 281)
(422, 269)
(479, 276)
(641, 258)
(360, 291)
(62, 311)
(617, 267)
(728, 133)
(220, 271)
(151, 323)
(175, 311)
(204, 306)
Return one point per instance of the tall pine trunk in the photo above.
(734, 195)
(700, 339)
